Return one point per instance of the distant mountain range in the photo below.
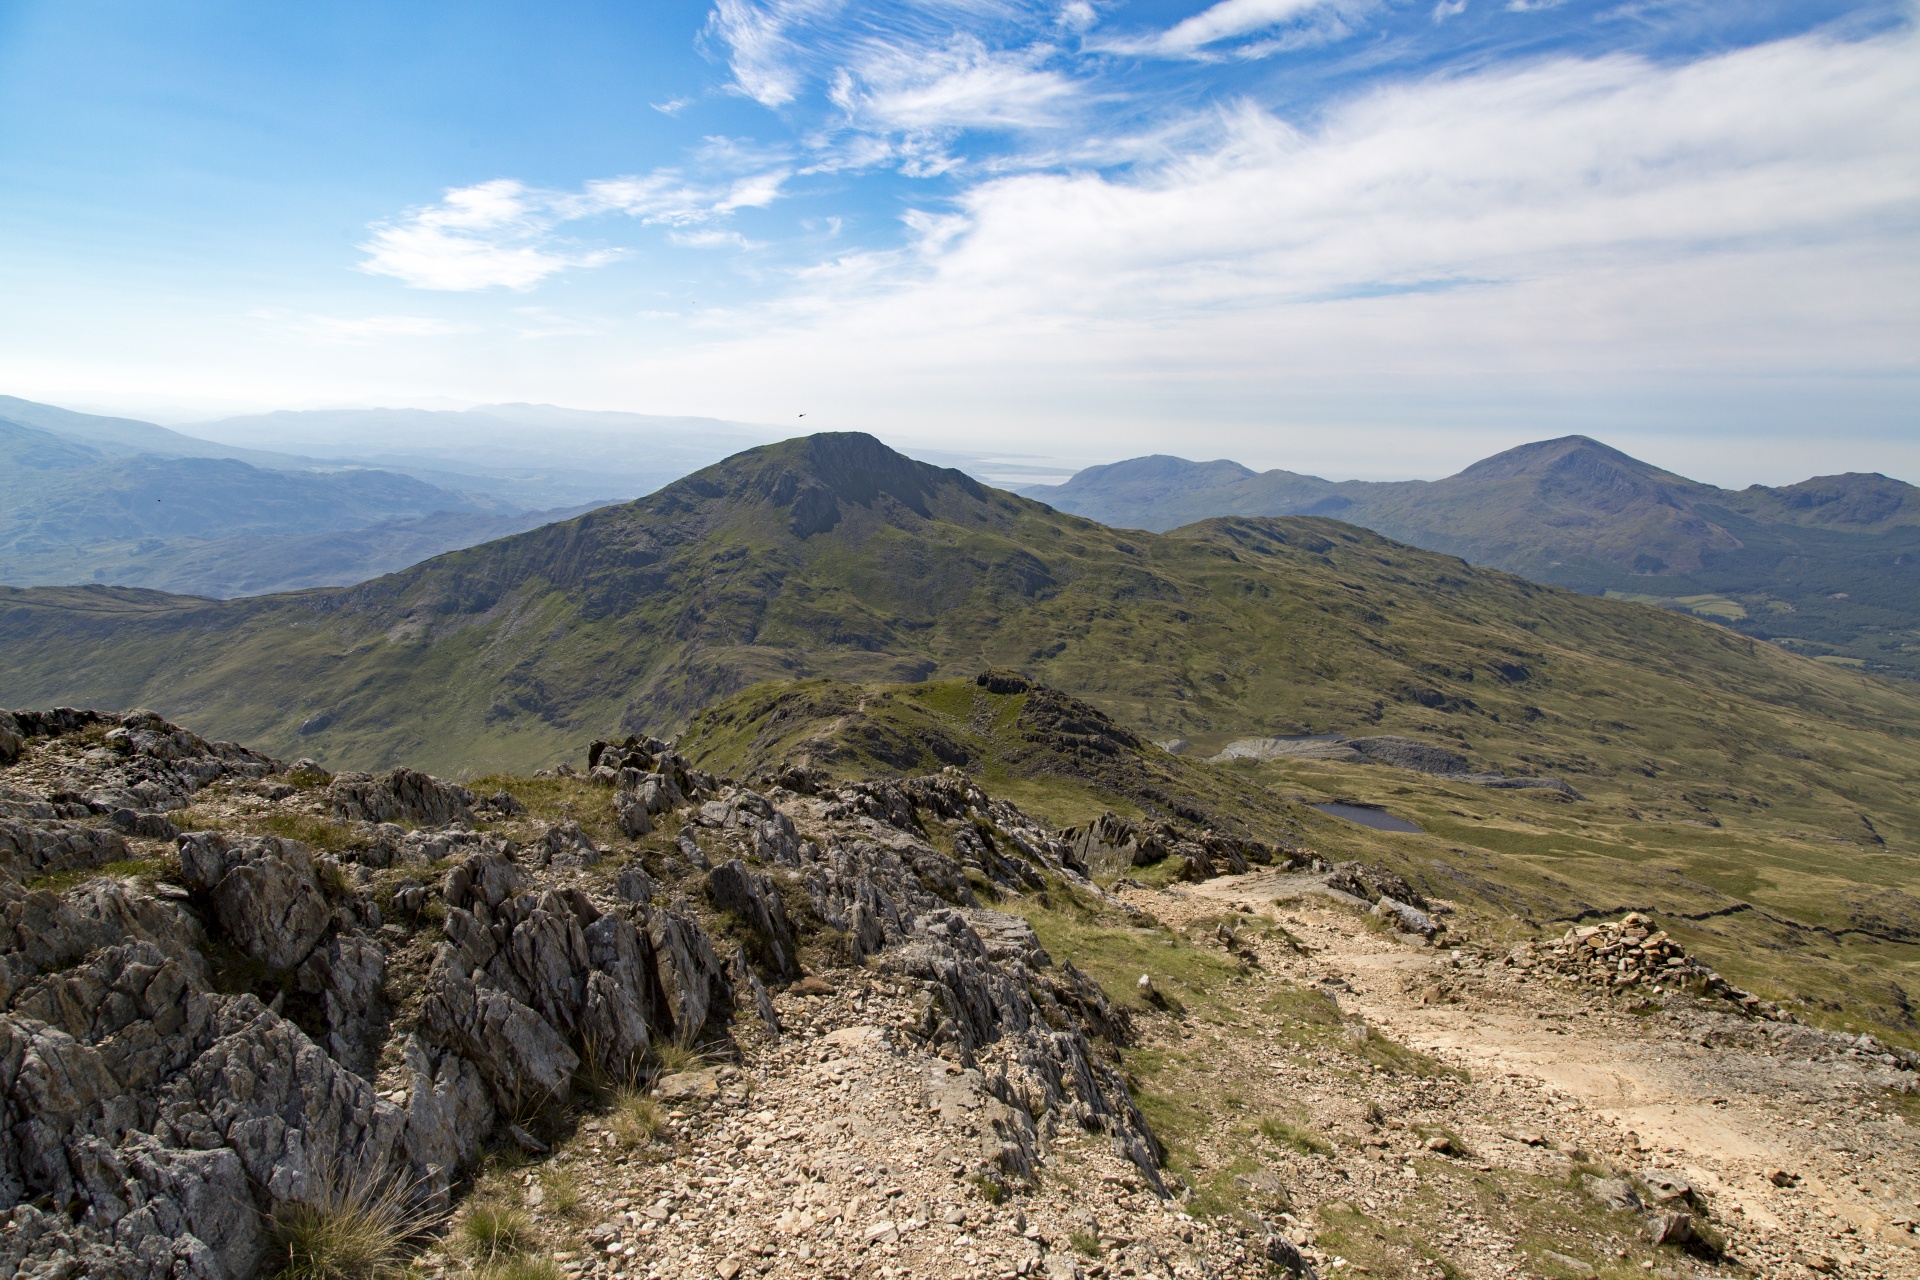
(329, 498)
(1829, 566)
(528, 454)
(100, 504)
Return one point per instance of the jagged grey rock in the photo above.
(522, 1058)
(401, 795)
(33, 847)
(347, 973)
(754, 900)
(265, 893)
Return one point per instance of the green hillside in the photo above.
(833, 557)
(1803, 905)
(1054, 755)
(1829, 566)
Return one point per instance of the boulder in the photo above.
(634, 884)
(401, 795)
(265, 893)
(1406, 917)
(1615, 1193)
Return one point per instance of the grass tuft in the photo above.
(562, 1190)
(1288, 1134)
(1086, 1244)
(671, 1056)
(353, 1231)
(494, 1230)
(636, 1118)
(520, 1267)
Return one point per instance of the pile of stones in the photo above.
(1633, 952)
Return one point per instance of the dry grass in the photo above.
(494, 1231)
(1288, 1134)
(354, 1231)
(561, 1190)
(671, 1056)
(636, 1118)
(520, 1267)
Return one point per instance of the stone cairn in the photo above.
(1631, 954)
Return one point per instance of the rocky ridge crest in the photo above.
(206, 1024)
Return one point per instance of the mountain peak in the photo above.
(1563, 456)
(815, 477)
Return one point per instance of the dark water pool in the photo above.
(1378, 819)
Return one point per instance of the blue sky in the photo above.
(1358, 237)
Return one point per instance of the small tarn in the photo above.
(1367, 816)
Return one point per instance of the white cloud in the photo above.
(1561, 168)
(1749, 215)
(712, 240)
(495, 233)
(964, 85)
(1197, 36)
(755, 191)
(504, 234)
(760, 50)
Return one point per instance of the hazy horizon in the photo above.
(300, 432)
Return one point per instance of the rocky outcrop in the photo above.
(1369, 883)
(33, 846)
(1633, 954)
(150, 1124)
(529, 985)
(265, 893)
(1112, 843)
(1022, 1022)
(401, 795)
(754, 900)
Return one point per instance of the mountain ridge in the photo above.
(1830, 565)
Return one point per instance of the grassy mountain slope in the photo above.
(832, 556)
(1054, 755)
(1821, 916)
(1829, 565)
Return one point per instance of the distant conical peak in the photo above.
(1565, 454)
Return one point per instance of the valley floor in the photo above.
(1465, 1119)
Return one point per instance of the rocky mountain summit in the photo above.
(210, 1024)
(637, 1019)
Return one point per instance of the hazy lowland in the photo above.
(1056, 831)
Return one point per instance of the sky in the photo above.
(1356, 237)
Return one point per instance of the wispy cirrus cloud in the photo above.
(1222, 30)
(963, 85)
(506, 234)
(760, 43)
